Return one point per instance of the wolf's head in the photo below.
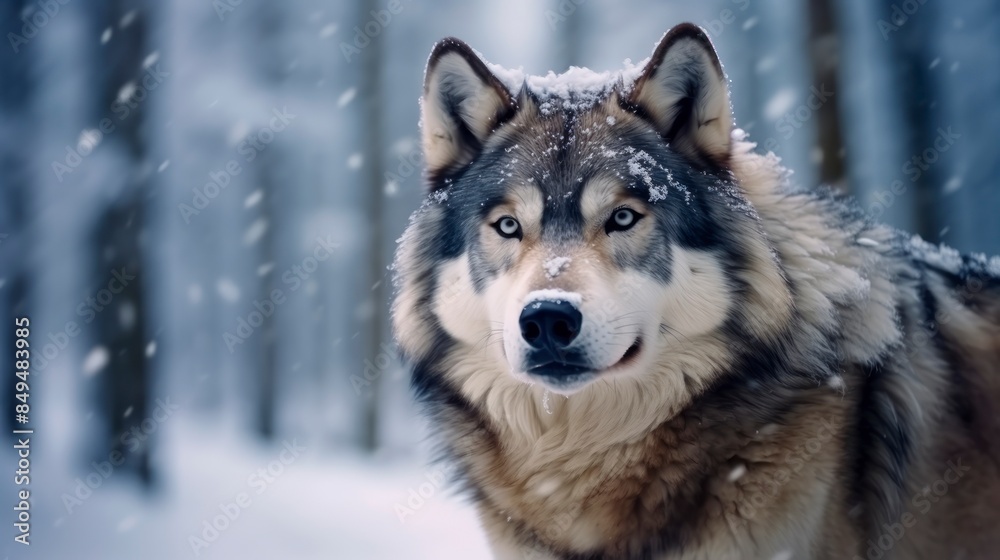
(580, 229)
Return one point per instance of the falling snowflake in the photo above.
(95, 361)
(355, 161)
(737, 472)
(255, 232)
(346, 97)
(253, 198)
(328, 30)
(228, 290)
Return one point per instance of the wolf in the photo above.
(636, 338)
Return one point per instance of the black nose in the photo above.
(550, 324)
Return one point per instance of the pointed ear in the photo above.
(463, 104)
(683, 92)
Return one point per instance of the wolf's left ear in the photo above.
(683, 92)
(463, 104)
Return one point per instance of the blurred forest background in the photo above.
(199, 201)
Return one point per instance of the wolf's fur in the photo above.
(806, 383)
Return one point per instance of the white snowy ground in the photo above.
(321, 506)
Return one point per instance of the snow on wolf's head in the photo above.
(580, 228)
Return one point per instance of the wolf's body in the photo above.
(751, 370)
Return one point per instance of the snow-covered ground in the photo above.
(313, 504)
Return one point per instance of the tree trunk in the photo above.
(117, 251)
(371, 130)
(16, 139)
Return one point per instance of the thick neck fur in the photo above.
(577, 473)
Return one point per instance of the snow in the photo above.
(780, 103)
(346, 97)
(253, 198)
(127, 91)
(265, 268)
(836, 383)
(228, 290)
(150, 59)
(576, 89)
(439, 196)
(546, 401)
(641, 164)
(554, 295)
(328, 30)
(555, 265)
(952, 185)
(255, 232)
(317, 505)
(941, 256)
(127, 19)
(194, 293)
(867, 242)
(355, 161)
(88, 140)
(737, 472)
(766, 64)
(95, 361)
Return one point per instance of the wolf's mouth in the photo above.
(563, 374)
(630, 354)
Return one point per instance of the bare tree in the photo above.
(372, 125)
(16, 133)
(117, 239)
(823, 43)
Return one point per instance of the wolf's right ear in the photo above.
(463, 104)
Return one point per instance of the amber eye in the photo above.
(508, 228)
(622, 219)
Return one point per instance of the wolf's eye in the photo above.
(508, 227)
(621, 220)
